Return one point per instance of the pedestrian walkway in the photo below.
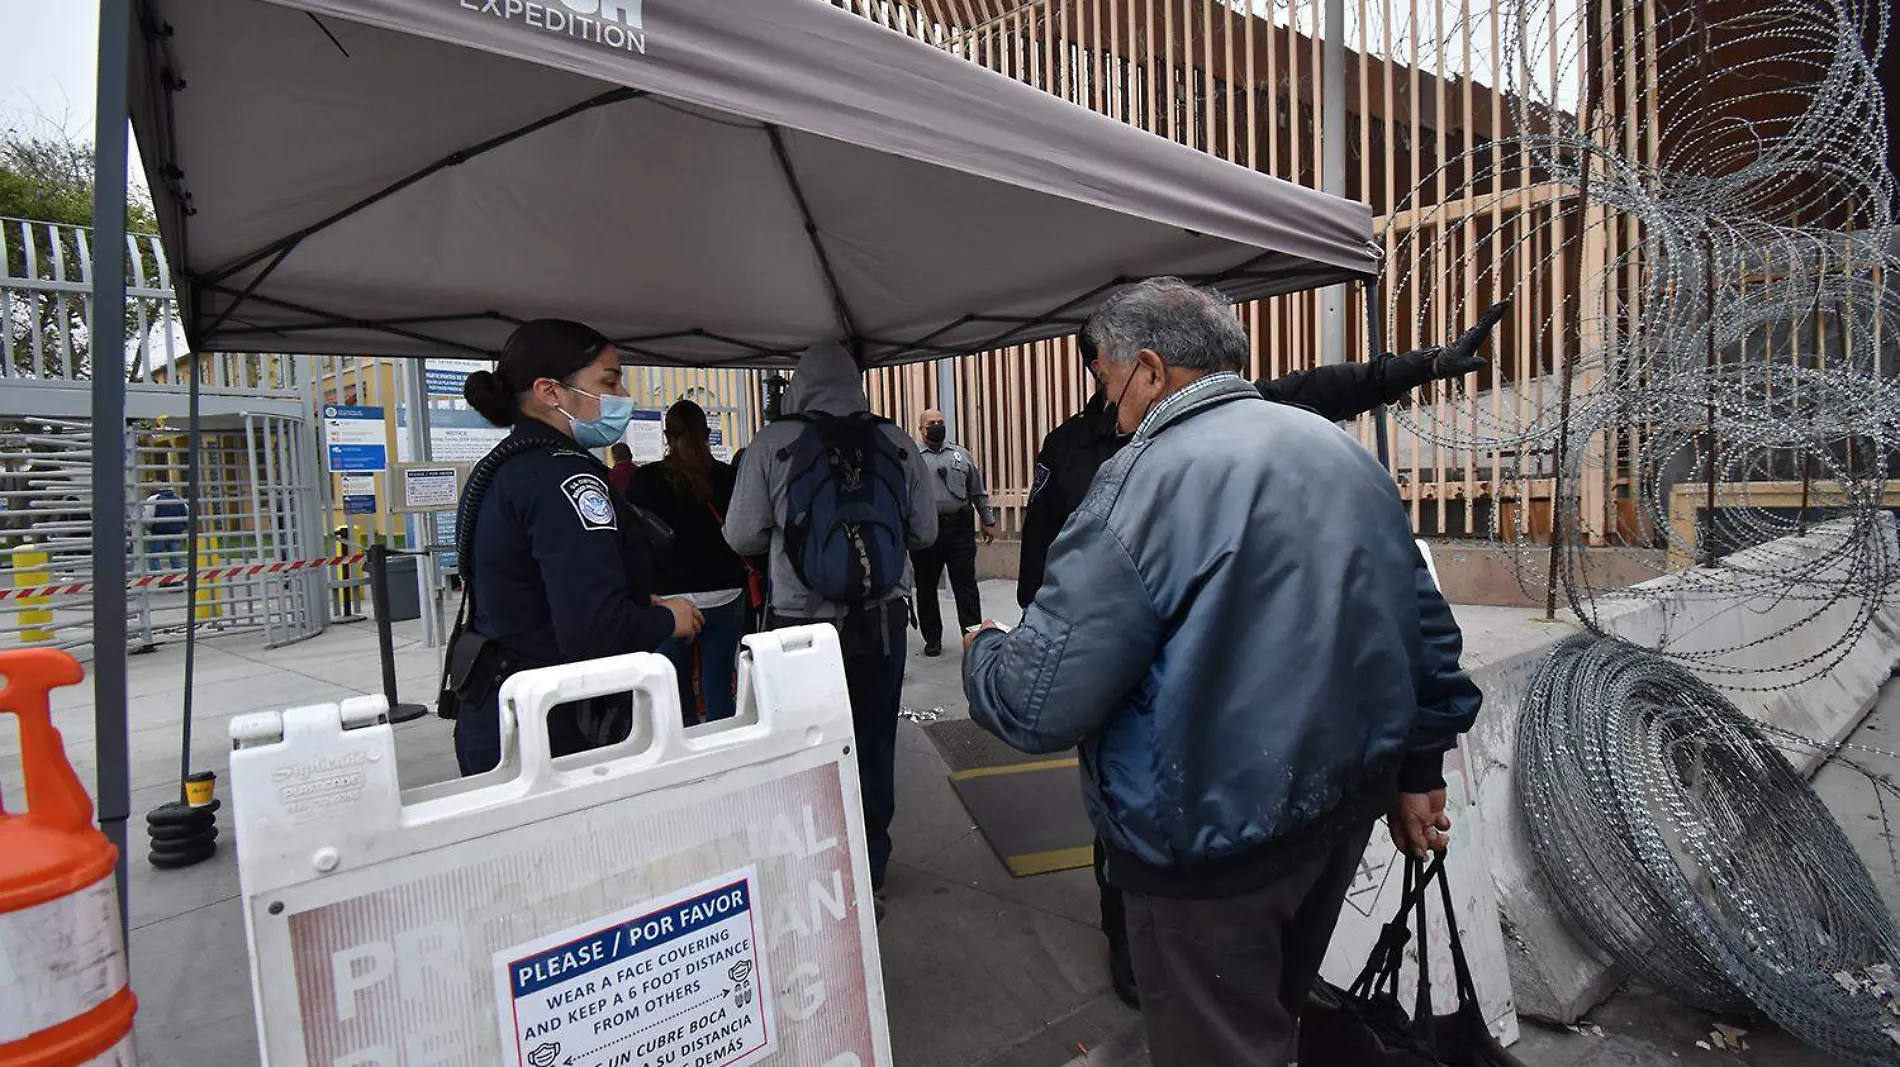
(981, 969)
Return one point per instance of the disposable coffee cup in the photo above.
(200, 788)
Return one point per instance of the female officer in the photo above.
(559, 566)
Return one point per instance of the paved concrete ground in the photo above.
(981, 969)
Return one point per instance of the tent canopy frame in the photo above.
(1303, 240)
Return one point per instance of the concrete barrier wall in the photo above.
(1469, 572)
(1505, 575)
(1554, 974)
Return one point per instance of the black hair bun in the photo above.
(485, 393)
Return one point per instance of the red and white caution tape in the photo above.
(177, 579)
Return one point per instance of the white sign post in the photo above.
(682, 898)
(428, 486)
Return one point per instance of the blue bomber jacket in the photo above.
(1239, 632)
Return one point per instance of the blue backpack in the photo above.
(845, 502)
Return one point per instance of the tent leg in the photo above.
(108, 433)
(421, 527)
(1332, 350)
(947, 396)
(1375, 351)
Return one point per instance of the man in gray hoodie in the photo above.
(872, 635)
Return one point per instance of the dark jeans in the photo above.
(1223, 981)
(954, 551)
(712, 657)
(165, 554)
(478, 735)
(873, 648)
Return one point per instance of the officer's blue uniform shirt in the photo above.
(562, 569)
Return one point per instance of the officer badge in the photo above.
(588, 494)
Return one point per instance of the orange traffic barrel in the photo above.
(64, 997)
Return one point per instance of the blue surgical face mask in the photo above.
(606, 428)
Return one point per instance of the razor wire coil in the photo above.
(1672, 829)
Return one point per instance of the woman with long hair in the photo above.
(690, 490)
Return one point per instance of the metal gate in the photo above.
(255, 507)
(260, 495)
(283, 482)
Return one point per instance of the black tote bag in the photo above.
(1366, 1026)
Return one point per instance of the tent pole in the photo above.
(421, 526)
(108, 433)
(947, 396)
(1332, 349)
(1374, 353)
(194, 517)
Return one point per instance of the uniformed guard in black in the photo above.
(561, 566)
(1075, 450)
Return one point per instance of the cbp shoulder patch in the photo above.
(1042, 479)
(588, 494)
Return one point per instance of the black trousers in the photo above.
(1223, 981)
(571, 729)
(872, 645)
(955, 551)
(1114, 909)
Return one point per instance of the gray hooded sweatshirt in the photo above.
(828, 382)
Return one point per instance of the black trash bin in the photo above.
(405, 600)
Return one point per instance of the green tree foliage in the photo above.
(49, 180)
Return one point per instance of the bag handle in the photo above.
(755, 593)
(1467, 989)
(1381, 973)
(1425, 1019)
(1422, 1015)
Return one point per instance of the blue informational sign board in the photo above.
(355, 438)
(444, 382)
(359, 494)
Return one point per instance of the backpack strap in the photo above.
(785, 450)
(477, 490)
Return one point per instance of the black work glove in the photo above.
(1461, 357)
(1402, 374)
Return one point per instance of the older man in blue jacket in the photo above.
(1238, 630)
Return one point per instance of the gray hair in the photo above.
(1187, 327)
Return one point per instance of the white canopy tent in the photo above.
(709, 182)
